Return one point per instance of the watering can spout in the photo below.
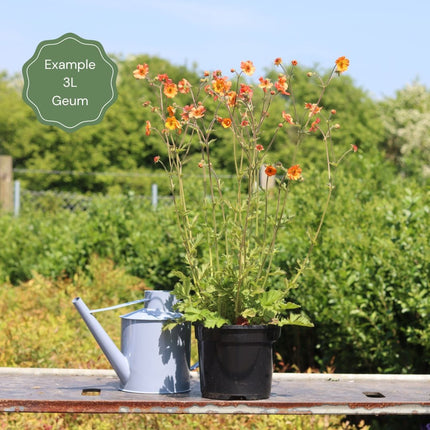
(117, 360)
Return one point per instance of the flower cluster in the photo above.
(232, 281)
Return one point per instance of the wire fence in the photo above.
(28, 200)
(50, 199)
(75, 201)
(84, 173)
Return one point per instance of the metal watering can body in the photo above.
(151, 360)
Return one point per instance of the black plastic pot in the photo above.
(236, 362)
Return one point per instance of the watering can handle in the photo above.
(119, 306)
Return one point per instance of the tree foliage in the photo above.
(355, 111)
(406, 120)
(117, 144)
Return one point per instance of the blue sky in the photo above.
(387, 41)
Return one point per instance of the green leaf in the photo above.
(299, 319)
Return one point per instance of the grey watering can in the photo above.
(151, 360)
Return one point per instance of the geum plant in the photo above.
(230, 239)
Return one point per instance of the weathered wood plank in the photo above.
(88, 391)
(6, 183)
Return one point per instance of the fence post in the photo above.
(6, 193)
(154, 195)
(16, 197)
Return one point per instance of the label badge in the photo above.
(70, 82)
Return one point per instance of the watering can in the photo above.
(151, 360)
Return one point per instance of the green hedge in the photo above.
(58, 244)
(368, 287)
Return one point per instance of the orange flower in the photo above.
(184, 86)
(148, 128)
(171, 110)
(141, 71)
(232, 98)
(185, 115)
(282, 85)
(163, 77)
(197, 112)
(270, 170)
(172, 123)
(156, 159)
(221, 85)
(265, 84)
(170, 89)
(342, 64)
(294, 172)
(278, 61)
(245, 92)
(259, 147)
(314, 125)
(226, 122)
(294, 62)
(247, 67)
(287, 117)
(313, 108)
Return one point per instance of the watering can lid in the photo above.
(147, 314)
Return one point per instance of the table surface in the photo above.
(97, 391)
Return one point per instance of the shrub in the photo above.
(58, 243)
(368, 289)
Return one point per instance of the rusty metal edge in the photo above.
(117, 407)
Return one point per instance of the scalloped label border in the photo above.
(111, 84)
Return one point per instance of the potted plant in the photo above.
(232, 290)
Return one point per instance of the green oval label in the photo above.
(70, 82)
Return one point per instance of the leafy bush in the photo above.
(368, 289)
(124, 228)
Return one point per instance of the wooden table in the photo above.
(96, 391)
